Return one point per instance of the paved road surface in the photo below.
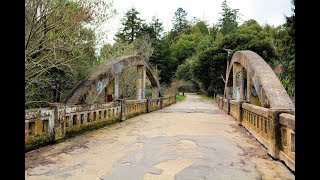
(188, 140)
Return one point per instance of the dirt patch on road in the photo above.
(257, 153)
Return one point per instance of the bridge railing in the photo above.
(135, 107)
(166, 101)
(39, 125)
(80, 118)
(287, 131)
(154, 104)
(273, 128)
(47, 125)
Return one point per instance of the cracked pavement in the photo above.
(191, 140)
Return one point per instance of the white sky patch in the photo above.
(264, 11)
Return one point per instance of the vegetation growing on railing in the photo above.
(69, 121)
(76, 130)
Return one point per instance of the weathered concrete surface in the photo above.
(188, 140)
(270, 90)
(86, 92)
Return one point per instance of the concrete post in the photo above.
(141, 82)
(144, 82)
(238, 82)
(161, 101)
(274, 131)
(249, 87)
(234, 85)
(147, 106)
(240, 118)
(241, 83)
(155, 93)
(109, 91)
(116, 88)
(228, 102)
(123, 109)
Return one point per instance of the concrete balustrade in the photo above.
(53, 124)
(287, 131)
(255, 120)
(274, 128)
(135, 107)
(39, 125)
(225, 105)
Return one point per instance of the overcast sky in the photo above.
(264, 11)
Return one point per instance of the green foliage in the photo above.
(161, 58)
(206, 97)
(180, 20)
(132, 27)
(180, 98)
(59, 46)
(157, 30)
(188, 86)
(183, 71)
(183, 48)
(228, 22)
(203, 27)
(250, 36)
(207, 69)
(285, 49)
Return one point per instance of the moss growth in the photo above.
(72, 132)
(180, 98)
(38, 141)
(134, 114)
(43, 140)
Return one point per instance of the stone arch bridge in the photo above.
(246, 133)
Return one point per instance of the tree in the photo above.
(207, 69)
(59, 48)
(132, 25)
(183, 71)
(285, 49)
(228, 22)
(162, 60)
(157, 29)
(203, 27)
(213, 31)
(179, 21)
(250, 36)
(183, 48)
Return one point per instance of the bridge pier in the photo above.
(112, 90)
(238, 82)
(155, 93)
(116, 88)
(141, 82)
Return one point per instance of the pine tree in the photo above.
(228, 22)
(180, 20)
(157, 27)
(132, 27)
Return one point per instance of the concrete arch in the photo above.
(89, 89)
(268, 87)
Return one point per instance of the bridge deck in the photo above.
(188, 140)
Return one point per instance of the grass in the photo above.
(180, 98)
(206, 97)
